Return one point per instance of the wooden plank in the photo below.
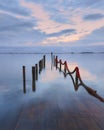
(86, 124)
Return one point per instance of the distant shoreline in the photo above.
(53, 49)
(53, 53)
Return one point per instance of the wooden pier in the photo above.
(59, 108)
(45, 116)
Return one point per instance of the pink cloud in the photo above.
(47, 25)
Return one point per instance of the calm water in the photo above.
(51, 86)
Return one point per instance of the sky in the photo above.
(52, 23)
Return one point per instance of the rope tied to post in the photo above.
(77, 72)
(78, 77)
(66, 66)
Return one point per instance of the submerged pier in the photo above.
(54, 98)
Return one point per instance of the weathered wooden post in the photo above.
(76, 79)
(60, 65)
(51, 58)
(56, 61)
(44, 59)
(24, 80)
(33, 78)
(39, 66)
(65, 64)
(36, 66)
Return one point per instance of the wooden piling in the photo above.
(36, 67)
(33, 73)
(33, 78)
(24, 80)
(44, 60)
(76, 79)
(33, 85)
(53, 63)
(60, 65)
(39, 66)
(56, 61)
(65, 67)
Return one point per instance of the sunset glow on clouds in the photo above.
(40, 22)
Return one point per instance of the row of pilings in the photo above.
(77, 80)
(36, 70)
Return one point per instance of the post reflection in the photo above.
(33, 86)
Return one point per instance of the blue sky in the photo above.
(51, 22)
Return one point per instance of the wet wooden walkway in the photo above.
(57, 111)
(45, 116)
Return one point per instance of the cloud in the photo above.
(44, 23)
(74, 3)
(99, 31)
(13, 7)
(61, 40)
(63, 32)
(83, 3)
(13, 23)
(49, 2)
(96, 37)
(39, 22)
(18, 31)
(93, 16)
(48, 25)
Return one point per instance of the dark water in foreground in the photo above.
(51, 86)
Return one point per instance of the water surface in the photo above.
(52, 89)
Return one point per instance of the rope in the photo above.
(78, 77)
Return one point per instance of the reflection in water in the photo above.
(33, 85)
(78, 81)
